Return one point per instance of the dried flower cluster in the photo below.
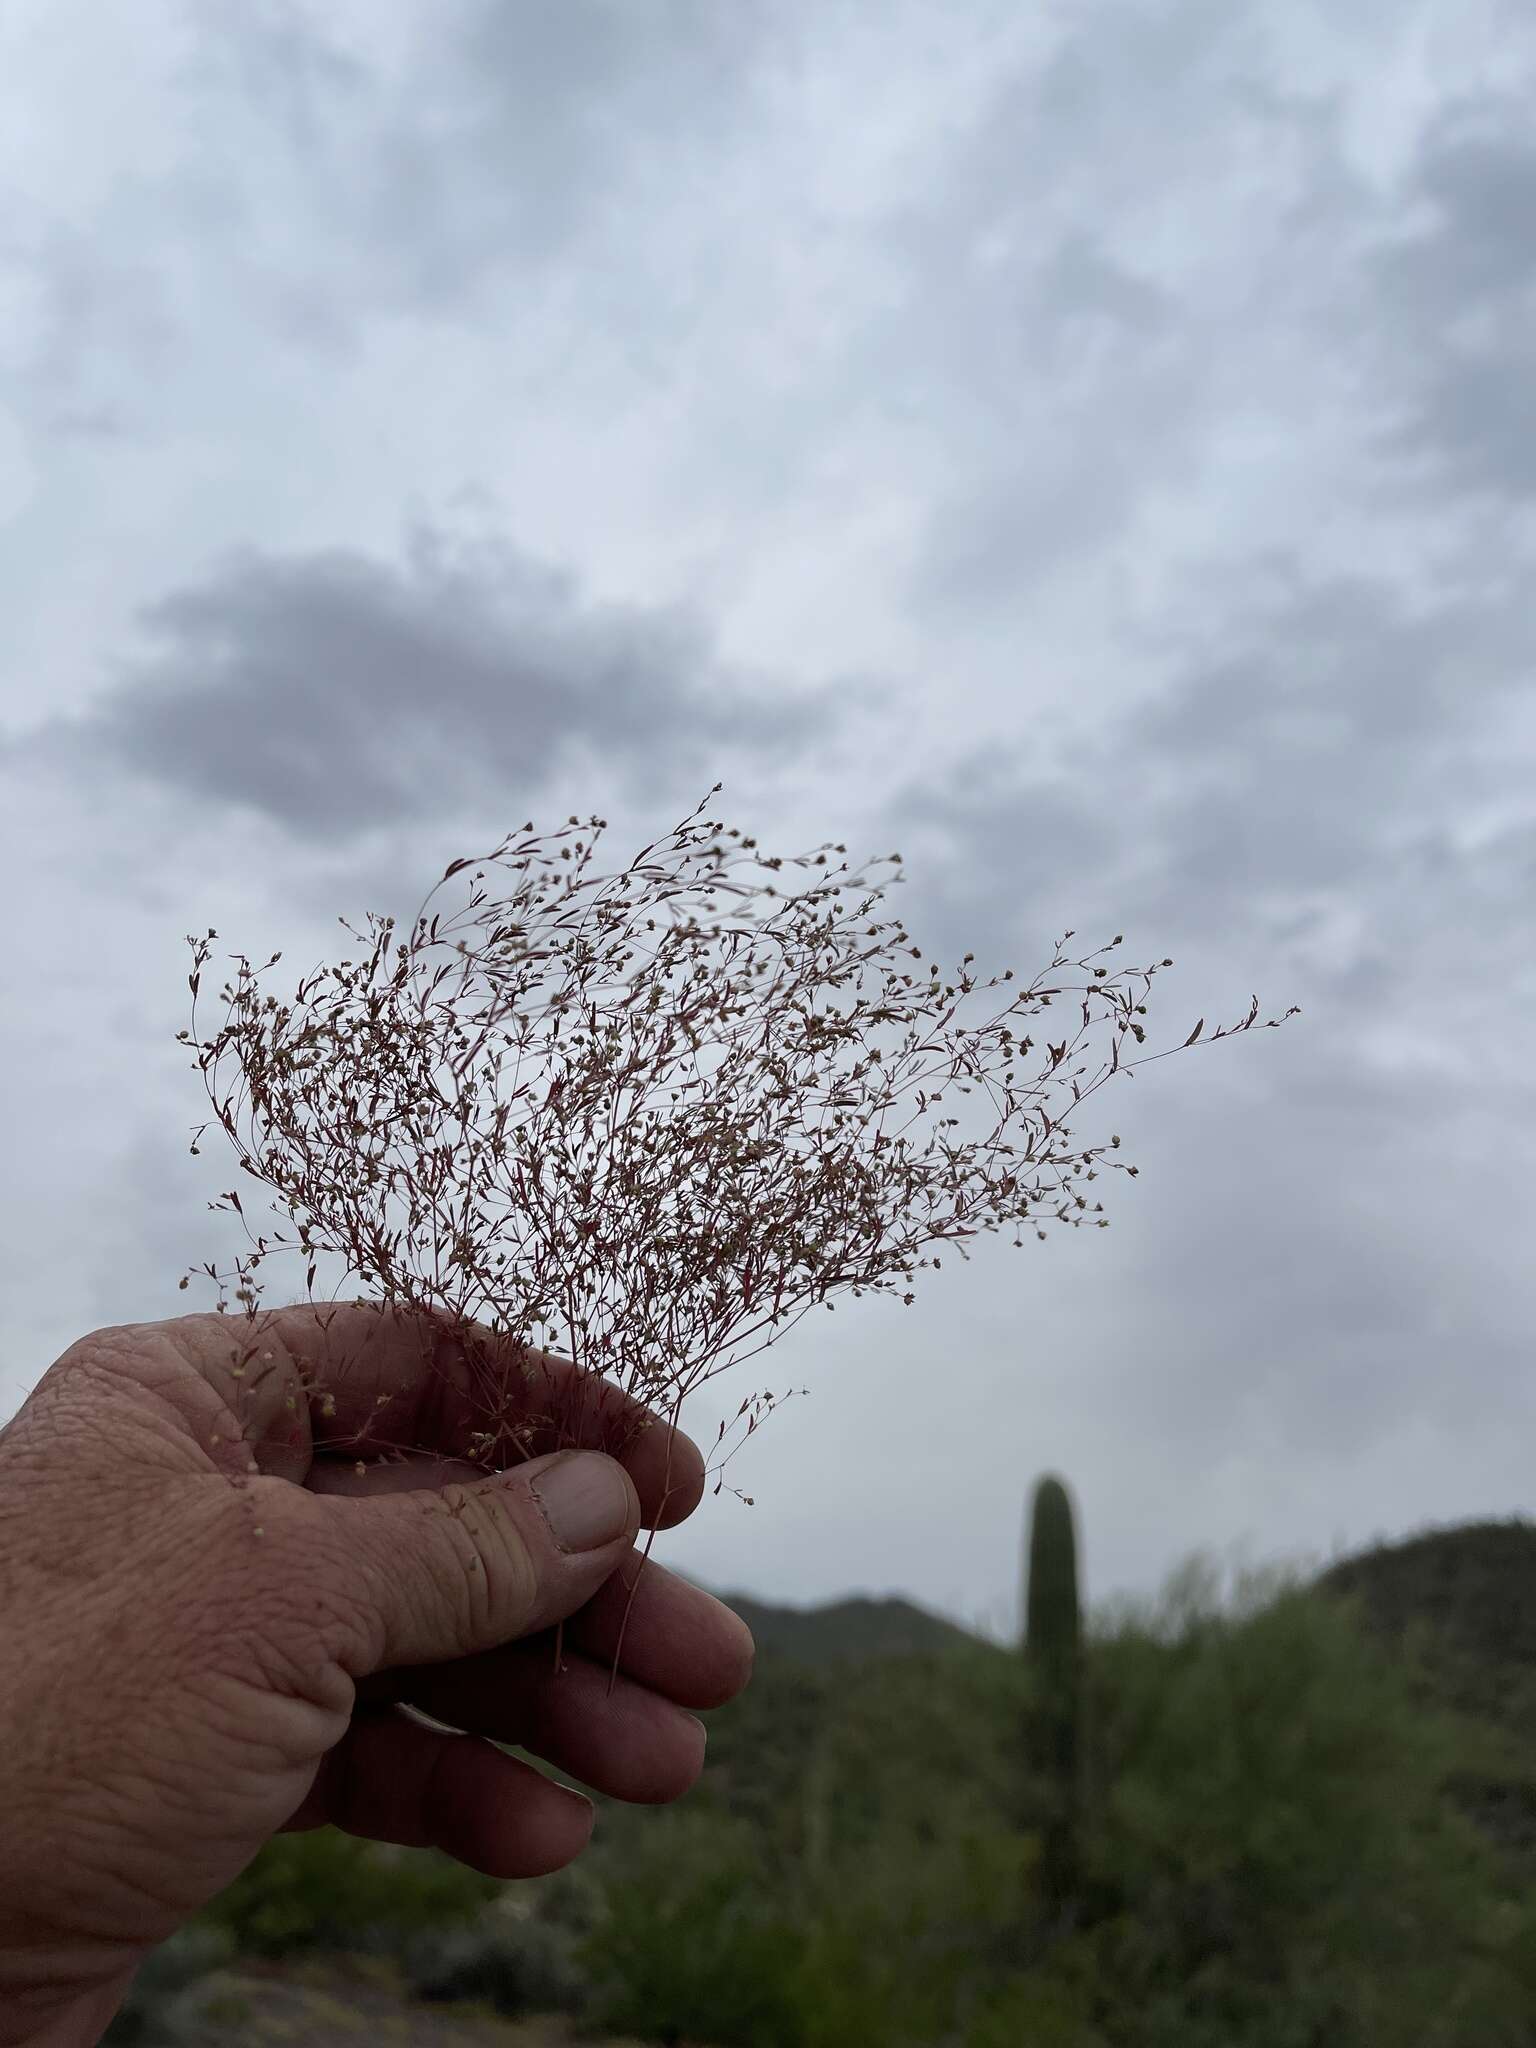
(649, 1119)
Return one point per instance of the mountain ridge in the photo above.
(859, 1625)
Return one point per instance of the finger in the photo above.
(618, 1737)
(668, 1470)
(662, 1503)
(364, 1379)
(390, 1779)
(678, 1640)
(667, 1635)
(434, 1574)
(406, 1471)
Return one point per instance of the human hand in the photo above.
(208, 1622)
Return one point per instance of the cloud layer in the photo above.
(332, 693)
(1093, 453)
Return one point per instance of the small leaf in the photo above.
(1195, 1033)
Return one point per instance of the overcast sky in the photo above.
(1092, 448)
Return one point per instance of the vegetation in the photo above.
(324, 1889)
(1457, 1608)
(1274, 1849)
(655, 1116)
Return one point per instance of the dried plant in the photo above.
(648, 1119)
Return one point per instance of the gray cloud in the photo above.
(1317, 722)
(495, 140)
(335, 693)
(97, 319)
(326, 166)
(1317, 737)
(1295, 799)
(1105, 343)
(1457, 292)
(1079, 284)
(1074, 373)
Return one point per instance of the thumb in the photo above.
(446, 1572)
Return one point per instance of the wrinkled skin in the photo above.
(209, 1621)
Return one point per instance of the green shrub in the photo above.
(189, 1954)
(692, 1946)
(1034, 2012)
(521, 1965)
(324, 1889)
(1272, 1831)
(1269, 1860)
(905, 1935)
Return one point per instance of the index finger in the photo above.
(381, 1377)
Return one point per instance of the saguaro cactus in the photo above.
(1054, 1715)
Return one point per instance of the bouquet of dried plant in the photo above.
(647, 1119)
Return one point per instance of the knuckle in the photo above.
(500, 1578)
(286, 1619)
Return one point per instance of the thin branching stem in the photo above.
(656, 1115)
